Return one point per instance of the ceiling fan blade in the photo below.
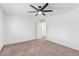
(32, 11)
(36, 14)
(47, 10)
(44, 14)
(44, 6)
(34, 7)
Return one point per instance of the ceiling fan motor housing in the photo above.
(39, 7)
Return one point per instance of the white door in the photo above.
(41, 29)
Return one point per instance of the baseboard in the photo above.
(14, 42)
(65, 43)
(1, 47)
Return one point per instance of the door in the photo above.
(41, 29)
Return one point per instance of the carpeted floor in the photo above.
(38, 47)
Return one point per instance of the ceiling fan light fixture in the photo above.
(40, 13)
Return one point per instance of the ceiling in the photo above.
(22, 8)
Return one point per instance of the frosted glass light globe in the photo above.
(39, 12)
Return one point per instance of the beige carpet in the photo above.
(38, 47)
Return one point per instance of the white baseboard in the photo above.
(13, 42)
(66, 43)
(1, 46)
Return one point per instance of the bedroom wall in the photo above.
(1, 28)
(18, 29)
(64, 29)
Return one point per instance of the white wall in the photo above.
(1, 28)
(64, 29)
(18, 29)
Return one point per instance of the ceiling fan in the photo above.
(40, 10)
